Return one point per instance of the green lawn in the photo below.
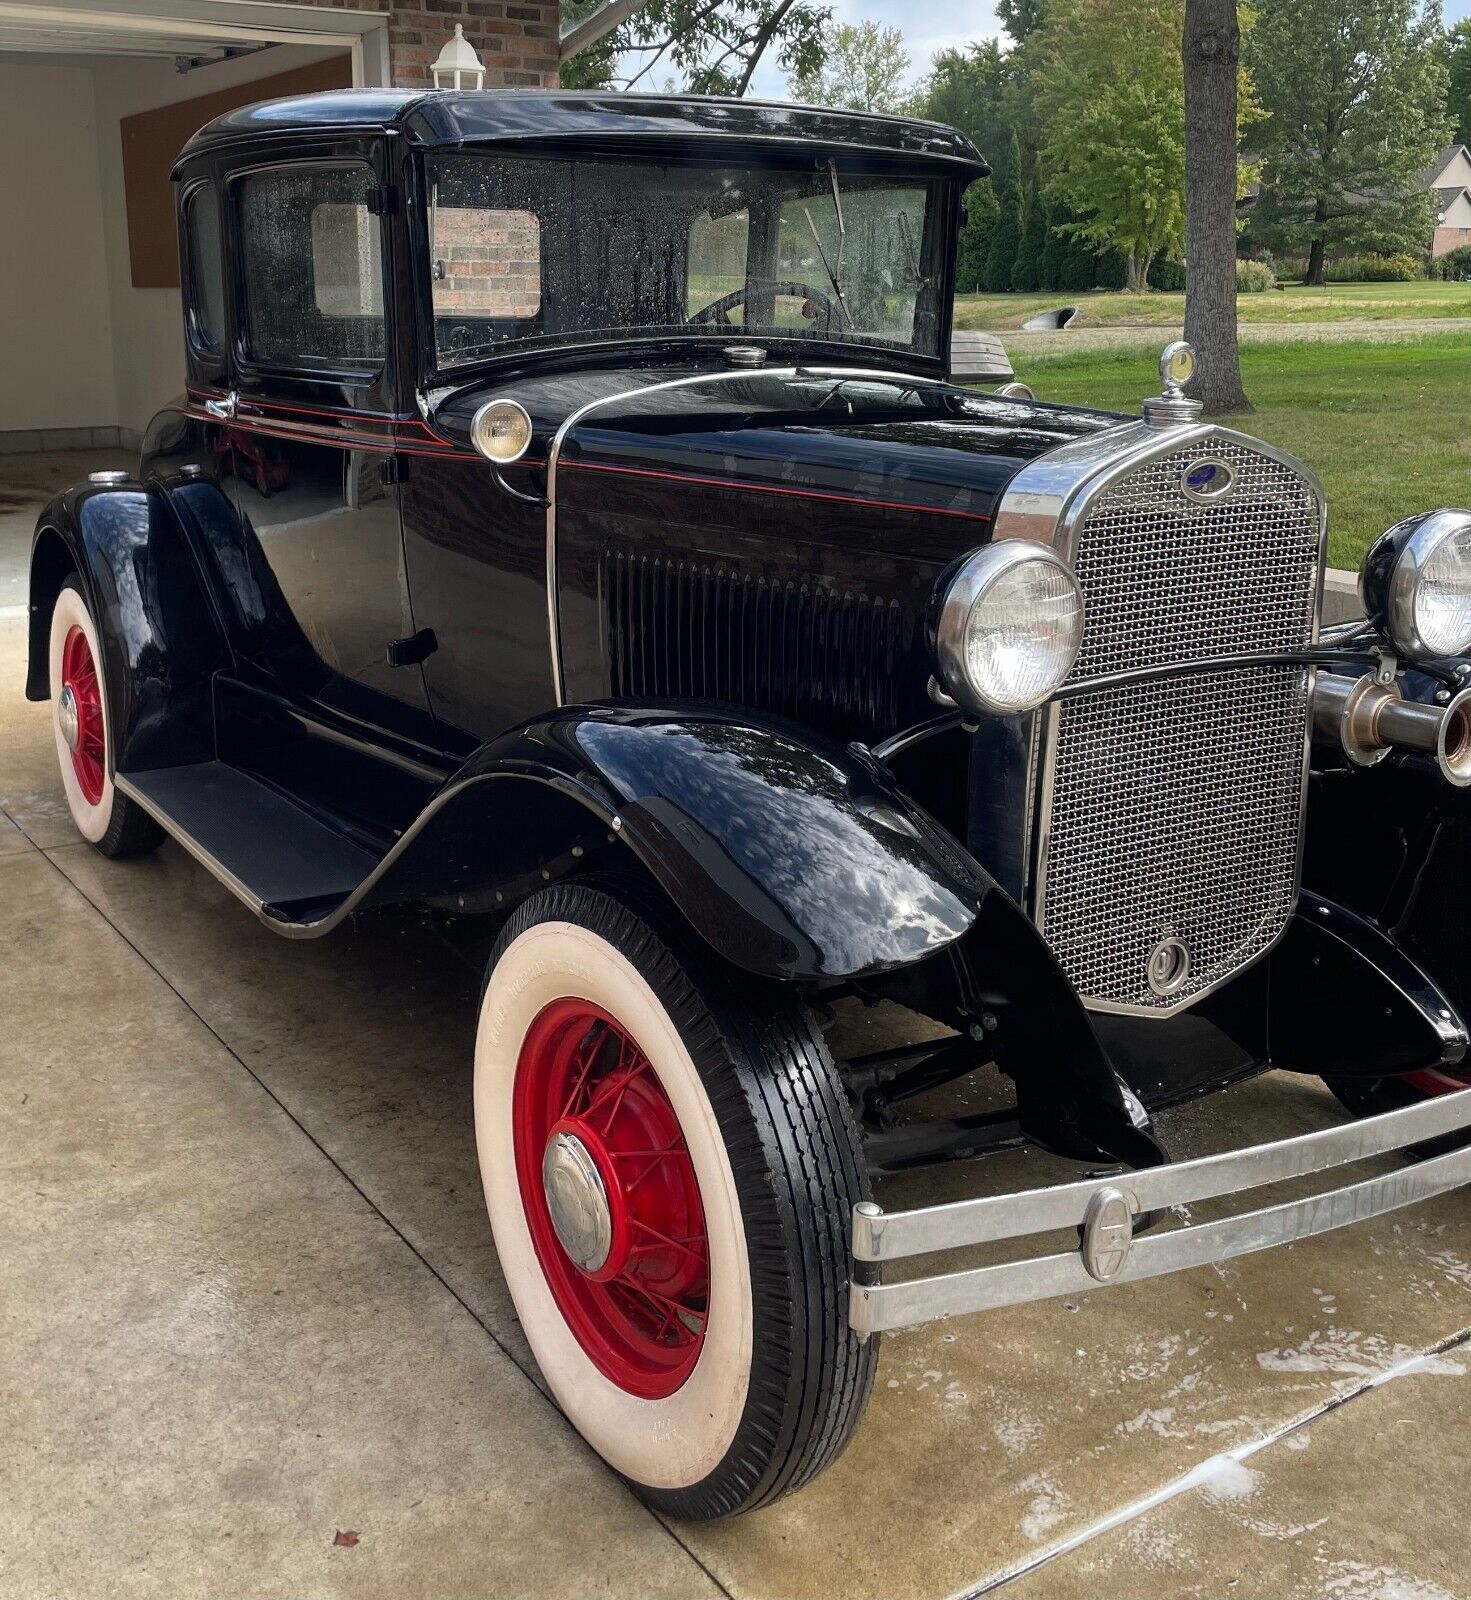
(1386, 426)
(1336, 302)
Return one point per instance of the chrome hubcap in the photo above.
(66, 717)
(577, 1201)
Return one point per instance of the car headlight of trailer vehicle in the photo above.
(1009, 628)
(1416, 584)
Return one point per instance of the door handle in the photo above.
(223, 409)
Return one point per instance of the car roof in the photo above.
(454, 118)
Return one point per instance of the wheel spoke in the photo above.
(670, 1311)
(676, 1150)
(666, 1242)
(614, 1085)
(590, 1049)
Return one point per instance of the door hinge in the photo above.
(391, 470)
(411, 651)
(382, 200)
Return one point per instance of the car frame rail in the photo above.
(1104, 1211)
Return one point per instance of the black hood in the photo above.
(817, 431)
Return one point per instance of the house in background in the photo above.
(1450, 178)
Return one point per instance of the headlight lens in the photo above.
(1009, 629)
(501, 431)
(1442, 595)
(1429, 593)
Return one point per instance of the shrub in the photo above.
(1166, 273)
(1079, 265)
(1454, 266)
(1400, 268)
(1254, 277)
(1110, 270)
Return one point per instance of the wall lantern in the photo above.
(457, 66)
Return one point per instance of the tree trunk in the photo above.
(1134, 271)
(1313, 277)
(1212, 52)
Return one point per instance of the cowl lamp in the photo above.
(457, 66)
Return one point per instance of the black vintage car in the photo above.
(569, 521)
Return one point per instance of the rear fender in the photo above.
(160, 641)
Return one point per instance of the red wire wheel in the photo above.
(611, 1198)
(1431, 1081)
(89, 745)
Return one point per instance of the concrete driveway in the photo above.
(253, 1338)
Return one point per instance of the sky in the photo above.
(931, 25)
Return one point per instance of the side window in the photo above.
(204, 270)
(717, 258)
(312, 262)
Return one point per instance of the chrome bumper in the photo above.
(1103, 1209)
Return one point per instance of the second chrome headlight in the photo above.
(1417, 584)
(1009, 628)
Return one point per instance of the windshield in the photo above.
(567, 251)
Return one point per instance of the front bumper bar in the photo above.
(1103, 1211)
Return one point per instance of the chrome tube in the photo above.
(1369, 719)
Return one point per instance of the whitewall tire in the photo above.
(645, 1135)
(81, 724)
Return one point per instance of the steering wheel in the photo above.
(815, 303)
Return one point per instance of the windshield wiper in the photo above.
(915, 276)
(833, 268)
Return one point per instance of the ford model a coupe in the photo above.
(569, 522)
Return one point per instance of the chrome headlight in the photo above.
(1009, 628)
(501, 431)
(1416, 584)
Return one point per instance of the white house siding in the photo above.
(1454, 171)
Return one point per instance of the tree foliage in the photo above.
(865, 70)
(1026, 270)
(1111, 100)
(971, 90)
(1355, 97)
(1006, 232)
(1052, 267)
(707, 46)
(974, 245)
(1458, 65)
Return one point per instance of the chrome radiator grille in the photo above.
(1171, 811)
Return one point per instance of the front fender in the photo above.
(792, 859)
(160, 641)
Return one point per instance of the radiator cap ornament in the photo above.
(1172, 408)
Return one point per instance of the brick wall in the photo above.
(516, 39)
(1448, 239)
(491, 261)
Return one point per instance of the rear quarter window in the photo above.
(312, 264)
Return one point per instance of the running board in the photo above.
(287, 865)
